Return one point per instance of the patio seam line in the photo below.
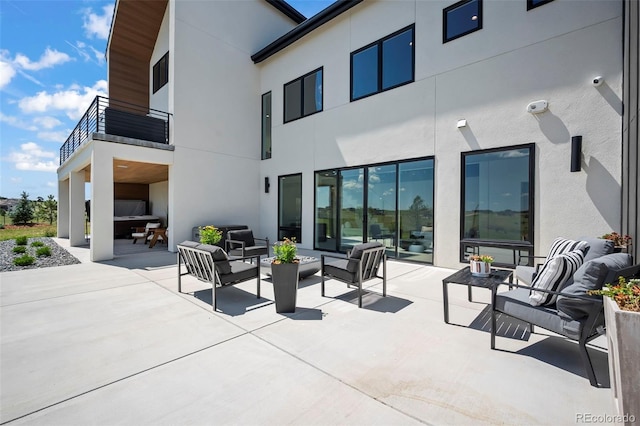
(137, 373)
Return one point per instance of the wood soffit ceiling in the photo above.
(135, 172)
(133, 37)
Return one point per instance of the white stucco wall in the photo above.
(215, 99)
(159, 200)
(488, 77)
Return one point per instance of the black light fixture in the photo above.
(576, 153)
(266, 184)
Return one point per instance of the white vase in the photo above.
(479, 268)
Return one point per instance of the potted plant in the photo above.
(622, 319)
(480, 265)
(210, 235)
(621, 242)
(284, 274)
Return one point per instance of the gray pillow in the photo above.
(219, 257)
(592, 275)
(598, 247)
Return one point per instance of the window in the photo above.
(303, 96)
(383, 65)
(161, 73)
(497, 202)
(290, 207)
(532, 4)
(461, 19)
(266, 126)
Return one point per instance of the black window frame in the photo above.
(517, 246)
(161, 73)
(379, 43)
(301, 81)
(532, 5)
(454, 6)
(266, 154)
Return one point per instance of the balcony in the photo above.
(117, 118)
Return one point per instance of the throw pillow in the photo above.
(554, 273)
(562, 245)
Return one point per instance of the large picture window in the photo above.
(383, 65)
(460, 19)
(161, 73)
(303, 96)
(497, 202)
(266, 126)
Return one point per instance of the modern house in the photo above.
(440, 128)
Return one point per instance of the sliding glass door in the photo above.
(351, 202)
(381, 205)
(415, 201)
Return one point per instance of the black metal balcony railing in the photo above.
(113, 117)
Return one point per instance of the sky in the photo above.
(52, 66)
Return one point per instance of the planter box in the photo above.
(623, 338)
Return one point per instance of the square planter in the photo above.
(623, 338)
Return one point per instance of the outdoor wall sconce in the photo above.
(576, 153)
(462, 123)
(536, 107)
(266, 184)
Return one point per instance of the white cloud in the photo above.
(49, 59)
(32, 157)
(47, 122)
(58, 136)
(7, 72)
(98, 25)
(16, 122)
(73, 101)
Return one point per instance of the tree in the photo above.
(47, 209)
(23, 212)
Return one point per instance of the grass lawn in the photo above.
(30, 231)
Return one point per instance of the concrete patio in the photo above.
(115, 343)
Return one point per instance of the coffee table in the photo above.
(308, 265)
(464, 277)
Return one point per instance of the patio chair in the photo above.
(242, 243)
(211, 264)
(145, 233)
(360, 265)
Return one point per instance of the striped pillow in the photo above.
(553, 274)
(562, 245)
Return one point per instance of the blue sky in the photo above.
(52, 66)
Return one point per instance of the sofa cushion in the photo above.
(615, 262)
(356, 253)
(553, 274)
(598, 247)
(515, 303)
(219, 257)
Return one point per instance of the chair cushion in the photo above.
(356, 253)
(615, 262)
(239, 271)
(190, 244)
(525, 274)
(515, 303)
(219, 257)
(337, 268)
(245, 235)
(553, 274)
(598, 247)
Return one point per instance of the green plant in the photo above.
(285, 251)
(625, 293)
(43, 251)
(20, 249)
(37, 244)
(50, 233)
(210, 234)
(25, 260)
(21, 240)
(481, 258)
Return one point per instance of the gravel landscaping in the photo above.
(59, 256)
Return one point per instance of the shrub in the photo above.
(25, 260)
(210, 234)
(20, 249)
(43, 251)
(49, 233)
(21, 241)
(37, 244)
(285, 251)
